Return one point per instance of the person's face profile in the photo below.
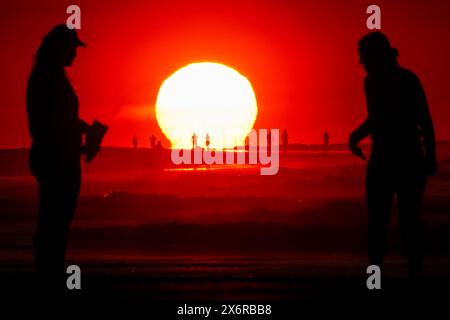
(370, 60)
(363, 59)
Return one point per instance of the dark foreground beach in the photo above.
(166, 236)
(291, 286)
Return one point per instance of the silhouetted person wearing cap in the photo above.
(56, 148)
(403, 148)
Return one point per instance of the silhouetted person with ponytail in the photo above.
(403, 148)
(56, 149)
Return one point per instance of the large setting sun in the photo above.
(206, 99)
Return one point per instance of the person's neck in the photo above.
(51, 66)
(384, 70)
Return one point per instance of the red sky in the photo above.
(300, 56)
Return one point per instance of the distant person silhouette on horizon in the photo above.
(194, 140)
(135, 142)
(56, 131)
(207, 141)
(403, 148)
(326, 139)
(153, 141)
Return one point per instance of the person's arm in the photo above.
(84, 127)
(44, 112)
(362, 132)
(426, 127)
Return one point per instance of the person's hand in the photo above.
(354, 148)
(94, 137)
(91, 152)
(430, 166)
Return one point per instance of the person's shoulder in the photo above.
(367, 81)
(34, 73)
(407, 74)
(409, 78)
